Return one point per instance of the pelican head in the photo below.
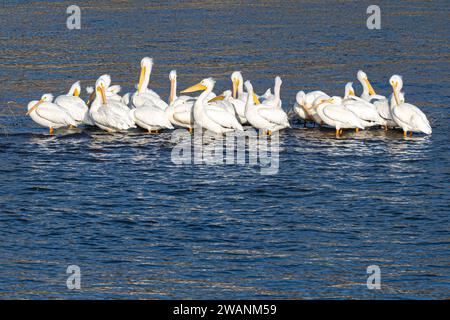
(75, 89)
(225, 95)
(100, 87)
(335, 100)
(349, 89)
(173, 75)
(106, 78)
(300, 97)
(146, 62)
(205, 84)
(396, 82)
(249, 87)
(362, 77)
(47, 97)
(146, 69)
(236, 79)
(278, 81)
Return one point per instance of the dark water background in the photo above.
(140, 226)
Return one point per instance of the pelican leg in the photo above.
(405, 133)
(51, 131)
(410, 133)
(337, 132)
(269, 132)
(357, 130)
(340, 131)
(190, 130)
(71, 126)
(385, 128)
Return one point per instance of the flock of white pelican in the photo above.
(226, 112)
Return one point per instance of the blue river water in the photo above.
(140, 226)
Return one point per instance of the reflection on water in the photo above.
(140, 226)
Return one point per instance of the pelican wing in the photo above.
(183, 106)
(363, 110)
(276, 116)
(340, 114)
(152, 116)
(408, 113)
(185, 117)
(412, 116)
(222, 117)
(54, 113)
(239, 106)
(107, 117)
(76, 107)
(383, 109)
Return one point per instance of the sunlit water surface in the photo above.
(140, 226)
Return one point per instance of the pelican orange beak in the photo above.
(217, 98)
(394, 87)
(34, 107)
(196, 87)
(235, 87)
(101, 89)
(371, 91)
(76, 93)
(141, 78)
(255, 99)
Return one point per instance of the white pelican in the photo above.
(180, 110)
(144, 95)
(363, 109)
(238, 89)
(304, 105)
(211, 116)
(111, 91)
(264, 116)
(48, 114)
(368, 92)
(380, 102)
(336, 115)
(274, 100)
(109, 115)
(238, 86)
(74, 105)
(407, 116)
(150, 109)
